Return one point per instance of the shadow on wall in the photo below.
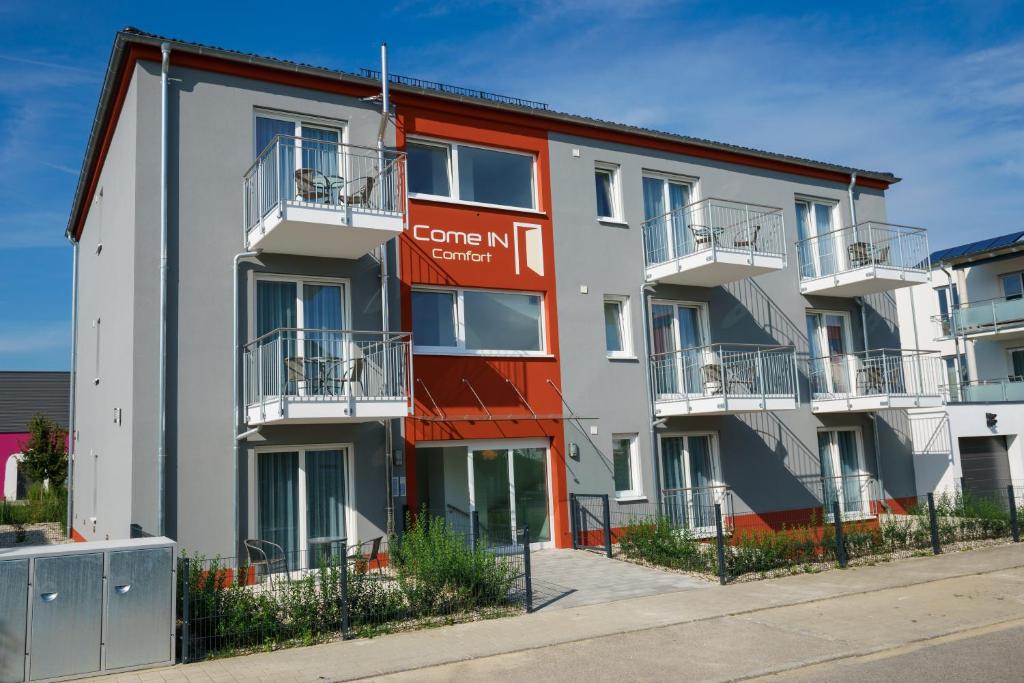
(895, 457)
(749, 306)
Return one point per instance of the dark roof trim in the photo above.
(132, 44)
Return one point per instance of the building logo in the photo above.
(523, 240)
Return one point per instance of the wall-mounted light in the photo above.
(398, 457)
(574, 450)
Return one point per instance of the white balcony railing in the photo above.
(336, 184)
(888, 374)
(724, 372)
(714, 225)
(694, 508)
(870, 250)
(855, 493)
(330, 368)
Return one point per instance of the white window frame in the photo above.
(837, 467)
(840, 259)
(850, 353)
(635, 469)
(692, 182)
(299, 280)
(453, 174)
(299, 119)
(1009, 359)
(705, 328)
(460, 325)
(348, 450)
(613, 171)
(716, 466)
(1002, 284)
(625, 327)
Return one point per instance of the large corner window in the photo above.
(467, 173)
(477, 321)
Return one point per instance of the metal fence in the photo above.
(716, 225)
(868, 244)
(323, 174)
(270, 597)
(328, 364)
(894, 372)
(737, 370)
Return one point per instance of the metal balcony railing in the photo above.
(862, 245)
(989, 315)
(323, 174)
(854, 492)
(944, 326)
(893, 372)
(728, 370)
(694, 508)
(328, 364)
(1010, 389)
(715, 225)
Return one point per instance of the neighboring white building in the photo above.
(972, 313)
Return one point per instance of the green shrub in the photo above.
(42, 505)
(664, 544)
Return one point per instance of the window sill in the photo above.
(631, 498)
(615, 222)
(480, 205)
(625, 357)
(483, 354)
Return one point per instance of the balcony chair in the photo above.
(870, 378)
(266, 557)
(860, 254)
(364, 561)
(311, 185)
(712, 379)
(741, 374)
(353, 375)
(747, 238)
(703, 236)
(362, 196)
(295, 374)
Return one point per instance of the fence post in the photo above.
(474, 527)
(837, 518)
(573, 527)
(183, 571)
(1014, 525)
(933, 522)
(720, 541)
(527, 573)
(583, 525)
(607, 514)
(343, 597)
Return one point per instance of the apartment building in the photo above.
(473, 304)
(971, 311)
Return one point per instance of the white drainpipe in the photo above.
(385, 309)
(74, 367)
(161, 503)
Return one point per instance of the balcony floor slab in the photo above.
(711, 268)
(872, 403)
(863, 281)
(328, 231)
(721, 405)
(324, 410)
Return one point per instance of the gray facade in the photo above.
(769, 459)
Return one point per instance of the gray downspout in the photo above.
(956, 333)
(385, 308)
(71, 401)
(864, 332)
(161, 503)
(236, 421)
(652, 419)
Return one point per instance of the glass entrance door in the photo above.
(509, 488)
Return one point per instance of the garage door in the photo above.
(986, 467)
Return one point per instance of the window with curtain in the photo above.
(814, 219)
(473, 320)
(472, 174)
(668, 230)
(690, 470)
(290, 515)
(844, 478)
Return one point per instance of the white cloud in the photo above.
(30, 338)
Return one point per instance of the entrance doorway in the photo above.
(505, 482)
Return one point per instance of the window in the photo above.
(678, 334)
(471, 174)
(844, 477)
(691, 473)
(949, 299)
(815, 218)
(828, 346)
(625, 465)
(606, 182)
(1012, 286)
(301, 494)
(616, 327)
(477, 321)
(668, 232)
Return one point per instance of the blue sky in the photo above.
(932, 91)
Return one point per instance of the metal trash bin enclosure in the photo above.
(86, 608)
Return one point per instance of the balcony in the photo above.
(856, 492)
(1010, 390)
(722, 379)
(713, 242)
(864, 259)
(1002, 318)
(880, 379)
(316, 198)
(304, 376)
(693, 509)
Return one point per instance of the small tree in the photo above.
(45, 456)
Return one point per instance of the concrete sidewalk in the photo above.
(716, 633)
